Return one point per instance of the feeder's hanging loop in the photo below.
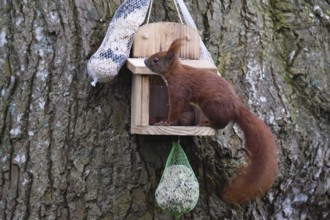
(176, 7)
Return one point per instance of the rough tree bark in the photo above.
(65, 147)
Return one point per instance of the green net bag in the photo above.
(178, 189)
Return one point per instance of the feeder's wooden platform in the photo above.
(173, 130)
(136, 65)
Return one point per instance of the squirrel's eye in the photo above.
(155, 60)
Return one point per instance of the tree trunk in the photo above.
(65, 147)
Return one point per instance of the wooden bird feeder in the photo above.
(149, 100)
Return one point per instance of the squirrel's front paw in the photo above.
(205, 123)
(162, 123)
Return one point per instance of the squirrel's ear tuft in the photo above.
(170, 55)
(176, 44)
(174, 49)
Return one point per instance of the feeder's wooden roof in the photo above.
(154, 37)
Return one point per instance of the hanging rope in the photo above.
(177, 10)
(150, 9)
(176, 7)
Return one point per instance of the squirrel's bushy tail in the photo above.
(254, 179)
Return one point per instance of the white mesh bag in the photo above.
(106, 62)
(204, 53)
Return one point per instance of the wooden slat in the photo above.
(140, 100)
(155, 37)
(136, 100)
(173, 130)
(137, 66)
(145, 100)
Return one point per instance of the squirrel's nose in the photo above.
(146, 62)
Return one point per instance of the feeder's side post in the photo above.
(139, 102)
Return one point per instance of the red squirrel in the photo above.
(220, 104)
